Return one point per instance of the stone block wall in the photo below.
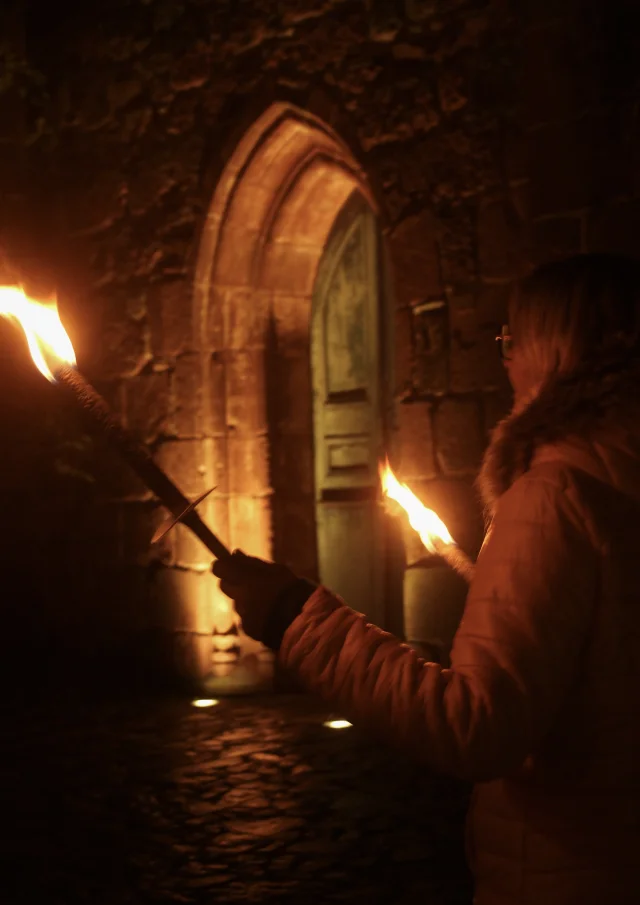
(582, 129)
(492, 134)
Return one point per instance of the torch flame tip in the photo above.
(430, 527)
(47, 338)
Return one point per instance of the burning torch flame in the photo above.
(429, 526)
(46, 337)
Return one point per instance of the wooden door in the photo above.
(346, 360)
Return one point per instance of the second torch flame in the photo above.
(433, 532)
(429, 526)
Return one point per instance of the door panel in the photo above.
(345, 355)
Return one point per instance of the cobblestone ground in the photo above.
(254, 800)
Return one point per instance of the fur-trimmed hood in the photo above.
(591, 418)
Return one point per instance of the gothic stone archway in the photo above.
(271, 217)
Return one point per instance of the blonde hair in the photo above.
(571, 312)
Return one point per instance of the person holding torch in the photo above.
(540, 707)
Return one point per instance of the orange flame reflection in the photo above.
(48, 341)
(429, 526)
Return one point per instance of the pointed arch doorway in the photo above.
(296, 357)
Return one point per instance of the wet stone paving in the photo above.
(253, 800)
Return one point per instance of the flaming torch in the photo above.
(433, 532)
(53, 355)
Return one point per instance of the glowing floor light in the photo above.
(337, 724)
(205, 702)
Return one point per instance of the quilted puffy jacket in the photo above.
(541, 705)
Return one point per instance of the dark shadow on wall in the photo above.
(291, 462)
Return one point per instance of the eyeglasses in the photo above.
(505, 343)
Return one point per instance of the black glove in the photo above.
(267, 595)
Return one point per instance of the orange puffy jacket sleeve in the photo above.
(514, 656)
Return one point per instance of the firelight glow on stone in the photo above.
(205, 702)
(337, 724)
(429, 526)
(47, 339)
